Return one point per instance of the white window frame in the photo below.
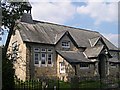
(43, 50)
(84, 67)
(62, 67)
(65, 44)
(37, 57)
(36, 50)
(51, 58)
(43, 59)
(50, 50)
(40, 51)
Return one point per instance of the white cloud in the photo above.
(114, 38)
(72, 0)
(100, 11)
(60, 11)
(57, 12)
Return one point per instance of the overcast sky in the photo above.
(101, 16)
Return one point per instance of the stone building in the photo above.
(53, 50)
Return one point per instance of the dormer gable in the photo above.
(93, 41)
(97, 46)
(97, 41)
(64, 41)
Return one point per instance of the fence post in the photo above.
(58, 84)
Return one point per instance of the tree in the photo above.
(11, 11)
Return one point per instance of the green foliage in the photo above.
(90, 84)
(29, 84)
(75, 82)
(12, 11)
(7, 74)
(63, 85)
(49, 81)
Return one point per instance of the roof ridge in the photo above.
(65, 26)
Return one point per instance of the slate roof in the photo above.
(49, 33)
(93, 41)
(73, 56)
(93, 51)
(114, 60)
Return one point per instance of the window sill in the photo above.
(84, 68)
(50, 65)
(43, 65)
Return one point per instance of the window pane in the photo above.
(66, 44)
(36, 58)
(36, 62)
(43, 61)
(49, 58)
(43, 50)
(62, 67)
(49, 50)
(36, 49)
(84, 65)
(43, 58)
(43, 55)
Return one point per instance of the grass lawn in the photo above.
(63, 84)
(84, 85)
(91, 84)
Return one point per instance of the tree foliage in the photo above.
(11, 11)
(7, 75)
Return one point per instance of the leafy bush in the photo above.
(7, 74)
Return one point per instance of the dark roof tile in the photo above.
(73, 56)
(93, 51)
(49, 33)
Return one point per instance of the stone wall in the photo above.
(113, 70)
(20, 62)
(114, 67)
(40, 71)
(89, 72)
(70, 70)
(66, 38)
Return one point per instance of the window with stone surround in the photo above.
(36, 50)
(65, 44)
(84, 66)
(49, 58)
(43, 56)
(62, 67)
(36, 58)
